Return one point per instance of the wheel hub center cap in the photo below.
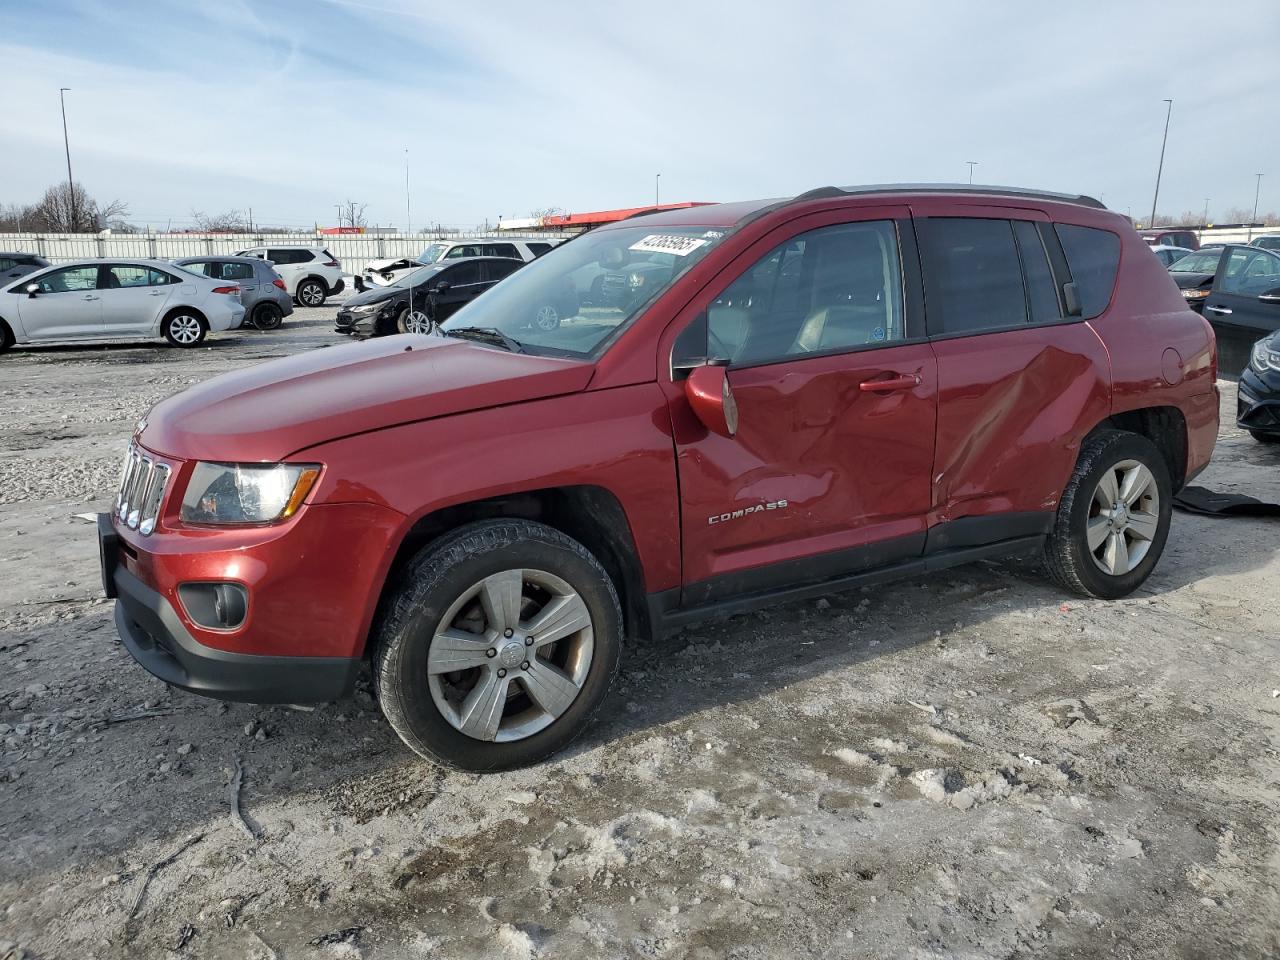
(1120, 518)
(511, 654)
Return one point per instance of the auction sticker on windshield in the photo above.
(666, 243)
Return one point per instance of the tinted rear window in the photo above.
(1093, 256)
(972, 275)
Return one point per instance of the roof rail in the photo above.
(956, 188)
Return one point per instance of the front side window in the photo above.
(69, 280)
(462, 274)
(597, 284)
(1094, 259)
(972, 276)
(1250, 273)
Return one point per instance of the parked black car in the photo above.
(425, 297)
(1258, 401)
(15, 265)
(1237, 288)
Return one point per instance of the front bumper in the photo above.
(156, 637)
(1258, 402)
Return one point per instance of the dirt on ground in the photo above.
(971, 764)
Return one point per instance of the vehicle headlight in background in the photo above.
(1195, 294)
(1264, 358)
(233, 493)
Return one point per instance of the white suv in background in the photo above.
(382, 273)
(310, 274)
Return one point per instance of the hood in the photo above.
(1187, 281)
(267, 412)
(398, 264)
(374, 295)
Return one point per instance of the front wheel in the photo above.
(184, 328)
(546, 318)
(311, 293)
(6, 337)
(498, 646)
(414, 321)
(1113, 518)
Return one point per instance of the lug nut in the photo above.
(508, 632)
(525, 665)
(528, 641)
(502, 673)
(491, 652)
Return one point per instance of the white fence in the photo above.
(354, 250)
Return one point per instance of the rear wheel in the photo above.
(1113, 518)
(500, 643)
(184, 328)
(311, 293)
(268, 316)
(1256, 434)
(6, 337)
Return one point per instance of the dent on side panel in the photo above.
(1013, 408)
(617, 439)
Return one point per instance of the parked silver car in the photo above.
(14, 264)
(116, 300)
(263, 292)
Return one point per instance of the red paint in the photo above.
(862, 447)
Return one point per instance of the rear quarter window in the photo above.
(1093, 257)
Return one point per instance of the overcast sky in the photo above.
(291, 106)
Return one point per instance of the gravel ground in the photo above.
(967, 765)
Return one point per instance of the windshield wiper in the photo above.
(486, 335)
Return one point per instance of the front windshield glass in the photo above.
(1198, 262)
(433, 253)
(571, 299)
(420, 275)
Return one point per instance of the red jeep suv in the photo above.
(777, 399)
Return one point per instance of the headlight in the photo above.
(221, 493)
(366, 308)
(1264, 358)
(1195, 294)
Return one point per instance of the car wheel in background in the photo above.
(6, 337)
(546, 318)
(184, 328)
(414, 321)
(1113, 518)
(1257, 435)
(268, 316)
(311, 293)
(499, 643)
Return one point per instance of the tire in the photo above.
(414, 322)
(6, 337)
(185, 328)
(311, 293)
(268, 316)
(546, 318)
(1256, 434)
(1142, 526)
(428, 708)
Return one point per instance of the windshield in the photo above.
(420, 275)
(433, 253)
(1199, 262)
(574, 297)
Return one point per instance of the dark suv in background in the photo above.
(15, 265)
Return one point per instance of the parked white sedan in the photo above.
(116, 300)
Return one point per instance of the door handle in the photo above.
(157, 293)
(892, 383)
(90, 296)
(1222, 310)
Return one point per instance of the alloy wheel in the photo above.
(311, 294)
(185, 329)
(510, 655)
(1123, 517)
(418, 322)
(547, 318)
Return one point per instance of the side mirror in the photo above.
(442, 287)
(1071, 293)
(709, 394)
(32, 289)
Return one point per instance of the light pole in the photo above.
(972, 164)
(1160, 168)
(656, 178)
(66, 142)
(407, 215)
(1256, 191)
(1205, 221)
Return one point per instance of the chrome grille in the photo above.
(142, 485)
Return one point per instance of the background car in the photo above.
(1169, 255)
(1237, 288)
(427, 296)
(1269, 242)
(263, 293)
(1174, 237)
(15, 265)
(311, 274)
(380, 273)
(116, 299)
(1258, 397)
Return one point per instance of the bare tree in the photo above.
(546, 212)
(351, 214)
(232, 221)
(69, 209)
(1238, 215)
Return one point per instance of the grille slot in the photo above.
(142, 486)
